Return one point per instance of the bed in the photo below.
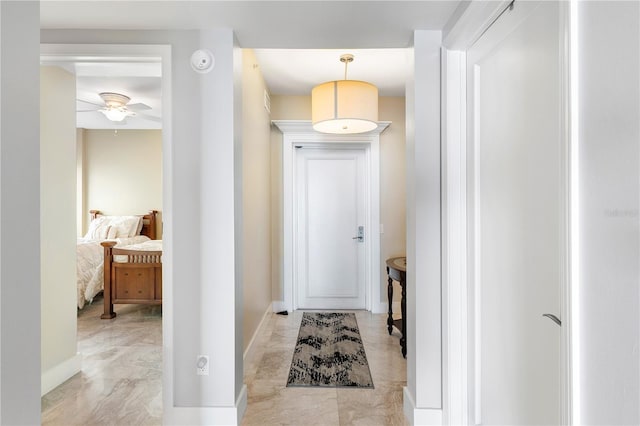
(132, 275)
(90, 254)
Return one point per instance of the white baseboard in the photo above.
(377, 308)
(57, 375)
(256, 333)
(383, 308)
(279, 306)
(180, 416)
(241, 404)
(419, 416)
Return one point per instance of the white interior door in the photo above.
(330, 207)
(517, 216)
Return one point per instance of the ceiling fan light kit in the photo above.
(116, 106)
(116, 114)
(344, 106)
(114, 99)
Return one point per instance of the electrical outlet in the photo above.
(202, 365)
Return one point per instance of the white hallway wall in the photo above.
(423, 393)
(19, 213)
(609, 85)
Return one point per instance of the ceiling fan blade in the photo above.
(138, 107)
(149, 117)
(90, 103)
(87, 110)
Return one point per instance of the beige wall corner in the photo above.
(256, 195)
(58, 226)
(392, 187)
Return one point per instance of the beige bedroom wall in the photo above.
(123, 172)
(256, 195)
(392, 182)
(57, 226)
(82, 219)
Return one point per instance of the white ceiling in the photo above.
(297, 43)
(296, 71)
(306, 24)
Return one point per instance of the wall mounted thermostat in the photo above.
(202, 61)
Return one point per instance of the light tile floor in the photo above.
(270, 402)
(121, 378)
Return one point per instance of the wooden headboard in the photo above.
(148, 222)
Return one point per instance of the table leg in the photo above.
(403, 308)
(390, 299)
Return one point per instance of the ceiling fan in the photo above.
(116, 108)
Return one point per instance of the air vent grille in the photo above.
(267, 102)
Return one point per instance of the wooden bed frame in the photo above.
(136, 281)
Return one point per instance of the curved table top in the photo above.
(398, 263)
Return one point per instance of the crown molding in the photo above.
(305, 127)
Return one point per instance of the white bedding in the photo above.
(90, 265)
(150, 245)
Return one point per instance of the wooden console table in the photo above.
(397, 270)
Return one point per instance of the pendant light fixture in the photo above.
(344, 106)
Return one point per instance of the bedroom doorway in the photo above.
(119, 169)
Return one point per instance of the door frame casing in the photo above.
(300, 132)
(55, 53)
(459, 398)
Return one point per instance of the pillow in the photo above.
(123, 226)
(140, 225)
(109, 227)
(98, 228)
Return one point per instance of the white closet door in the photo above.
(517, 210)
